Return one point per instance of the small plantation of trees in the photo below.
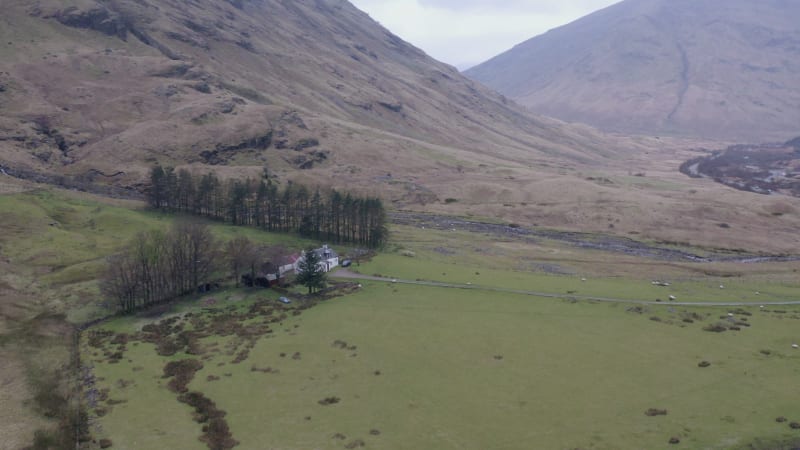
(331, 216)
(158, 266)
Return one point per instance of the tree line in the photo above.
(332, 216)
(157, 266)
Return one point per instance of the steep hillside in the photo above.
(322, 95)
(726, 69)
(102, 89)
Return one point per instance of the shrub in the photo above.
(329, 401)
(715, 328)
(182, 372)
(218, 435)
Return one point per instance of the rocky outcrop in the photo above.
(222, 153)
(307, 161)
(152, 42)
(112, 23)
(98, 19)
(394, 107)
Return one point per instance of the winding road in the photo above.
(350, 275)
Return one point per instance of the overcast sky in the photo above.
(467, 32)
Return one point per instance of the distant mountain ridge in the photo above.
(724, 69)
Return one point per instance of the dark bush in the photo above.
(167, 347)
(44, 440)
(97, 337)
(715, 328)
(120, 339)
(652, 412)
(329, 401)
(218, 435)
(204, 408)
(183, 372)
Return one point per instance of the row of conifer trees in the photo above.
(324, 215)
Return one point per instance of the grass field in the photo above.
(402, 366)
(53, 247)
(441, 368)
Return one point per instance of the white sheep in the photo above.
(672, 297)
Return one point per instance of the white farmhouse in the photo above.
(329, 259)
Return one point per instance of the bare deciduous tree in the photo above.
(158, 266)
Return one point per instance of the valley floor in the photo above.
(483, 341)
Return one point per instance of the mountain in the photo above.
(726, 69)
(100, 90)
(313, 89)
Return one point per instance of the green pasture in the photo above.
(436, 367)
(444, 368)
(427, 265)
(61, 239)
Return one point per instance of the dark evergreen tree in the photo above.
(310, 272)
(156, 192)
(333, 216)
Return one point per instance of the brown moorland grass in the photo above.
(519, 169)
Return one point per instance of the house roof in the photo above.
(288, 259)
(326, 252)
